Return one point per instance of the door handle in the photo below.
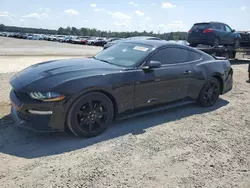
(187, 72)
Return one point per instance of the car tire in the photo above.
(209, 93)
(90, 115)
(236, 44)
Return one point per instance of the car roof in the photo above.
(156, 43)
(212, 22)
(142, 37)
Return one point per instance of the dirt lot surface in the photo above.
(184, 147)
(20, 47)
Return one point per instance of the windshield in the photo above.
(201, 26)
(124, 54)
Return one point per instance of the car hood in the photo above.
(50, 74)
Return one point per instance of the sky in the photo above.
(122, 15)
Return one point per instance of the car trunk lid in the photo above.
(198, 29)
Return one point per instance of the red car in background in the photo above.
(79, 40)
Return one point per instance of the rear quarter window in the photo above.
(194, 56)
(172, 55)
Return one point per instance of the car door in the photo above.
(167, 83)
(220, 33)
(225, 35)
(230, 34)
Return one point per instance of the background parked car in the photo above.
(112, 39)
(183, 42)
(245, 38)
(108, 44)
(99, 42)
(29, 37)
(67, 38)
(24, 36)
(91, 41)
(60, 38)
(34, 37)
(46, 37)
(52, 38)
(79, 40)
(214, 34)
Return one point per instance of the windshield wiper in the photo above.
(108, 62)
(102, 60)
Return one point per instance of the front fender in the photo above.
(237, 36)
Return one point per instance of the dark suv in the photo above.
(214, 34)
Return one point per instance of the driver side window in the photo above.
(170, 56)
(228, 29)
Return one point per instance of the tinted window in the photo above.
(218, 26)
(201, 26)
(171, 56)
(228, 29)
(193, 56)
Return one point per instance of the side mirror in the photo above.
(233, 30)
(152, 65)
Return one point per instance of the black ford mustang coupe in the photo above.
(85, 95)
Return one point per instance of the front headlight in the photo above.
(47, 97)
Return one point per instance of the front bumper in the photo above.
(40, 123)
(21, 123)
(200, 40)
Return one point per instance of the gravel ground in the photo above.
(183, 147)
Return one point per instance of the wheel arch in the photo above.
(219, 78)
(112, 98)
(104, 91)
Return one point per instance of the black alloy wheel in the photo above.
(209, 93)
(90, 115)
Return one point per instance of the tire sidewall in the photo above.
(78, 103)
(201, 95)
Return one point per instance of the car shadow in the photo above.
(25, 144)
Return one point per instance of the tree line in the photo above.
(94, 32)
